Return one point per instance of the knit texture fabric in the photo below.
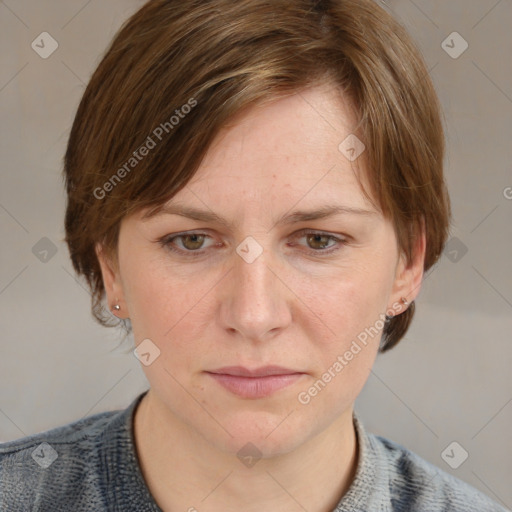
(91, 465)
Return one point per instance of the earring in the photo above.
(116, 306)
(405, 302)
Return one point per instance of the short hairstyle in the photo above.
(179, 70)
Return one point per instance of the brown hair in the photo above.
(179, 70)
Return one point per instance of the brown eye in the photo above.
(188, 244)
(317, 241)
(192, 242)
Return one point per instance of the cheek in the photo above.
(145, 293)
(345, 301)
(148, 289)
(167, 305)
(343, 316)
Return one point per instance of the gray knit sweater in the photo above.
(91, 466)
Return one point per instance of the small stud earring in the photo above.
(117, 307)
(404, 301)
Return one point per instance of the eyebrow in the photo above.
(287, 218)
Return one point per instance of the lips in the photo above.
(264, 371)
(254, 383)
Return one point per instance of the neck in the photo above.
(184, 471)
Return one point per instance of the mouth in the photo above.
(255, 383)
(264, 371)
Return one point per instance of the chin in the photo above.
(261, 431)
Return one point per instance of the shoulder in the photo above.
(58, 467)
(415, 484)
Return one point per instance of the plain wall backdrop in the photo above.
(448, 381)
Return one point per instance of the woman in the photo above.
(255, 189)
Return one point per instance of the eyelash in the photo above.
(166, 242)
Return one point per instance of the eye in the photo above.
(185, 243)
(321, 243)
(192, 242)
(318, 240)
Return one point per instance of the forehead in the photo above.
(289, 146)
(275, 159)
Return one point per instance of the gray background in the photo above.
(448, 380)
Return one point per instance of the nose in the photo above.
(256, 303)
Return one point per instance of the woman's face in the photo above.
(258, 280)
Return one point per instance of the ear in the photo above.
(409, 275)
(112, 282)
